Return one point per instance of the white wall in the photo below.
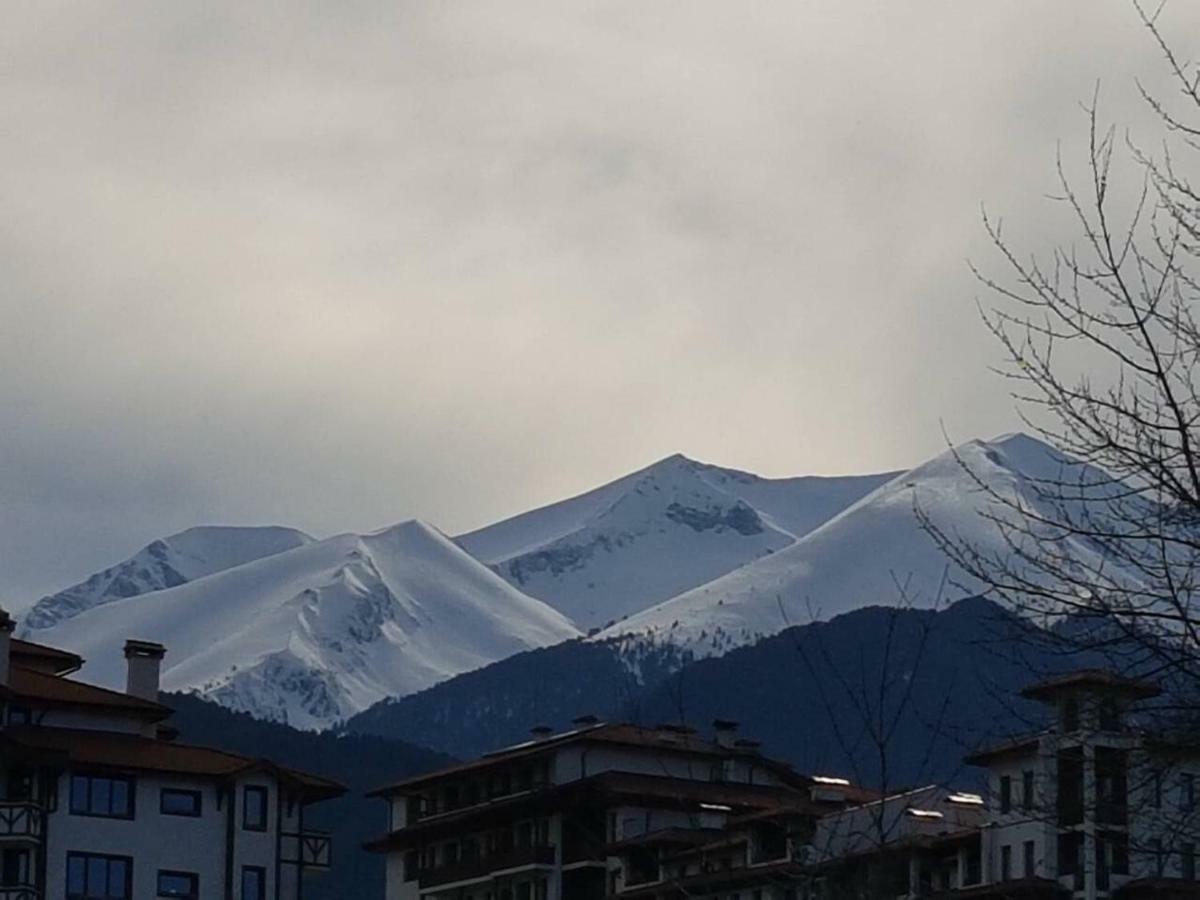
(156, 841)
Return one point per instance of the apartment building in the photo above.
(97, 800)
(1091, 808)
(580, 815)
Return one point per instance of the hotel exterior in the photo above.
(1091, 808)
(99, 800)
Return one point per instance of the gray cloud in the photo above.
(335, 265)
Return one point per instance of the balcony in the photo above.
(469, 869)
(310, 849)
(20, 821)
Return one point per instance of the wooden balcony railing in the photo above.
(20, 820)
(467, 869)
(311, 849)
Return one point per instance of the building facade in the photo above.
(98, 800)
(581, 815)
(1091, 808)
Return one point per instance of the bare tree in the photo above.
(1102, 348)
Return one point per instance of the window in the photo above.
(1156, 779)
(1006, 863)
(1027, 791)
(254, 808)
(19, 715)
(1189, 790)
(1030, 863)
(94, 876)
(254, 883)
(1070, 714)
(1187, 862)
(14, 867)
(1005, 793)
(1110, 715)
(174, 802)
(1156, 847)
(96, 795)
(178, 884)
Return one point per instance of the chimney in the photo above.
(541, 732)
(725, 732)
(143, 665)
(6, 629)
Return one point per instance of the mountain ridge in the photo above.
(313, 634)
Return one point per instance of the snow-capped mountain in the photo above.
(632, 543)
(165, 563)
(313, 634)
(875, 552)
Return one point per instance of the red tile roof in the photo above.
(40, 688)
(43, 658)
(661, 740)
(113, 750)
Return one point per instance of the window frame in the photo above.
(87, 856)
(257, 789)
(198, 796)
(1005, 793)
(261, 873)
(129, 781)
(193, 877)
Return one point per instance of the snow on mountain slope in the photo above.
(637, 541)
(859, 557)
(165, 563)
(316, 633)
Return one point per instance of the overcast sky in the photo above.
(335, 265)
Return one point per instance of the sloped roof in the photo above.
(672, 740)
(1094, 679)
(113, 750)
(40, 687)
(656, 791)
(43, 658)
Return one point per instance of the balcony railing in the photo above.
(311, 849)
(467, 869)
(20, 820)
(19, 892)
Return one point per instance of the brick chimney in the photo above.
(7, 625)
(143, 661)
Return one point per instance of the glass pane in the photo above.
(119, 805)
(76, 874)
(97, 875)
(79, 793)
(101, 796)
(180, 803)
(256, 807)
(176, 884)
(252, 884)
(118, 875)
